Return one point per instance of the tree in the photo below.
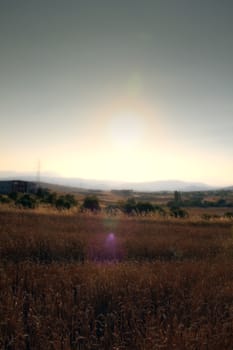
(177, 197)
(91, 203)
(52, 197)
(42, 194)
(145, 207)
(65, 202)
(130, 206)
(71, 199)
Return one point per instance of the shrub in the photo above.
(228, 215)
(206, 216)
(159, 210)
(26, 201)
(4, 199)
(13, 195)
(178, 212)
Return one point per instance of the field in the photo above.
(76, 281)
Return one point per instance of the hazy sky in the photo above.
(118, 89)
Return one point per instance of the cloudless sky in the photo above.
(122, 90)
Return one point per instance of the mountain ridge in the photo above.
(92, 184)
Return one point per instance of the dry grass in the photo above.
(66, 284)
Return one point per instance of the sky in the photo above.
(128, 90)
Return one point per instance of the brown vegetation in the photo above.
(93, 282)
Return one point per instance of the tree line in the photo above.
(130, 206)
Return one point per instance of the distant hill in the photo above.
(229, 188)
(170, 185)
(105, 185)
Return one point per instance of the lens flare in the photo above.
(110, 238)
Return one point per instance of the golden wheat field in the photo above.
(72, 282)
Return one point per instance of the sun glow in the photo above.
(126, 123)
(118, 143)
(126, 130)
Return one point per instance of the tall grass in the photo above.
(66, 283)
(64, 238)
